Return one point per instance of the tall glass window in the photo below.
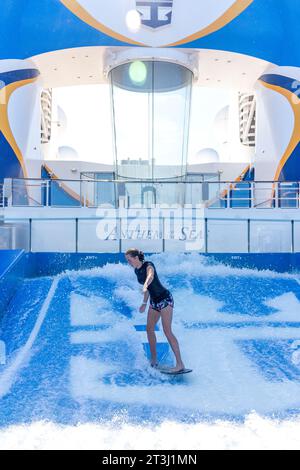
(151, 111)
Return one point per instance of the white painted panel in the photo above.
(297, 237)
(53, 235)
(186, 234)
(138, 231)
(148, 246)
(270, 237)
(227, 236)
(91, 241)
(175, 245)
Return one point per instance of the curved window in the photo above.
(151, 110)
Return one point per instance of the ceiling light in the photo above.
(133, 20)
(138, 72)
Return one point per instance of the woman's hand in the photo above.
(142, 308)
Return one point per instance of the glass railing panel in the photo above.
(288, 195)
(64, 193)
(26, 192)
(240, 195)
(217, 195)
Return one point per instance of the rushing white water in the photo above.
(256, 433)
(85, 381)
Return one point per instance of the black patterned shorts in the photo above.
(158, 306)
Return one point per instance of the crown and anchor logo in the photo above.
(155, 13)
(174, 23)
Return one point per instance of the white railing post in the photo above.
(8, 190)
(47, 193)
(276, 195)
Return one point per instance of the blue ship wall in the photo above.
(267, 29)
(44, 264)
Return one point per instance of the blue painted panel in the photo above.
(260, 31)
(9, 164)
(13, 76)
(240, 196)
(48, 264)
(54, 263)
(49, 21)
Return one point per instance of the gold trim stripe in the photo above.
(65, 188)
(235, 10)
(85, 16)
(294, 101)
(5, 94)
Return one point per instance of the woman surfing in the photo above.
(161, 306)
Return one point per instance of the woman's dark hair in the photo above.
(133, 252)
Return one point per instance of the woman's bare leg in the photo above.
(152, 319)
(166, 318)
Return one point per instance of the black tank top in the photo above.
(156, 290)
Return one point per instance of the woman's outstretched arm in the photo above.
(149, 278)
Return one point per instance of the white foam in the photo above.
(101, 336)
(288, 306)
(167, 264)
(296, 358)
(224, 380)
(92, 310)
(255, 433)
(195, 264)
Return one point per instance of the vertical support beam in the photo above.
(30, 235)
(249, 234)
(163, 236)
(119, 221)
(76, 234)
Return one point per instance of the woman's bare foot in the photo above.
(178, 367)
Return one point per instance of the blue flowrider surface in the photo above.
(77, 349)
(8, 258)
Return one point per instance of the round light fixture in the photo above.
(138, 72)
(133, 20)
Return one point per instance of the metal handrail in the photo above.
(156, 180)
(218, 194)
